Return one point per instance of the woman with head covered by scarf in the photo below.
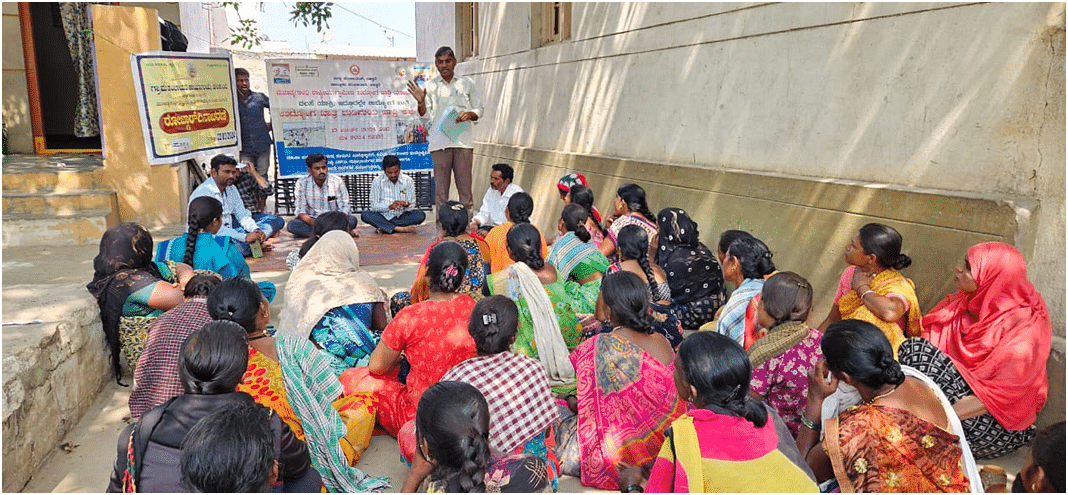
(986, 346)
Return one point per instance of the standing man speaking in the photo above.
(452, 156)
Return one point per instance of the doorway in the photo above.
(52, 81)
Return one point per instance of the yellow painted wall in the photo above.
(147, 194)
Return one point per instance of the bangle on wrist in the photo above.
(635, 488)
(812, 425)
(865, 293)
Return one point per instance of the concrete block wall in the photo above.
(806, 222)
(51, 373)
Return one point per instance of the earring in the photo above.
(1034, 487)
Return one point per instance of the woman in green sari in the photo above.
(548, 329)
(578, 260)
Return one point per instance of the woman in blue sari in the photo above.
(201, 249)
(578, 260)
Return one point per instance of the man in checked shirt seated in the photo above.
(317, 193)
(392, 195)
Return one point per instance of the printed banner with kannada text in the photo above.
(187, 104)
(353, 111)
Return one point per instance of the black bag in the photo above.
(171, 38)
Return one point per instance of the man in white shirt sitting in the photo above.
(392, 195)
(496, 199)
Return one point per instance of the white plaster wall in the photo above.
(955, 97)
(435, 26)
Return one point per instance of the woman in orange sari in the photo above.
(901, 437)
(336, 435)
(873, 290)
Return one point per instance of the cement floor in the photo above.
(83, 460)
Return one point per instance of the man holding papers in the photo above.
(451, 105)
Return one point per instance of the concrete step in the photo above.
(49, 204)
(45, 181)
(84, 227)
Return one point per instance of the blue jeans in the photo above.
(408, 218)
(298, 228)
(275, 222)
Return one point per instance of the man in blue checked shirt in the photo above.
(237, 220)
(392, 198)
(317, 193)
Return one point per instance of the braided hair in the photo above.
(574, 217)
(862, 351)
(719, 369)
(634, 245)
(634, 196)
(446, 266)
(493, 324)
(625, 295)
(453, 419)
(583, 196)
(524, 245)
(202, 212)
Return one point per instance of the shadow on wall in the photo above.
(901, 94)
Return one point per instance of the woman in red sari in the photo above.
(986, 347)
(432, 335)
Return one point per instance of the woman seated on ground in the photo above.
(632, 255)
(903, 435)
(745, 263)
(213, 360)
(454, 448)
(156, 377)
(296, 380)
(578, 260)
(230, 451)
(201, 249)
(729, 441)
(330, 300)
(548, 327)
(132, 290)
(986, 346)
(872, 289)
(432, 335)
(520, 207)
(327, 222)
(630, 208)
(583, 196)
(522, 411)
(452, 220)
(626, 393)
(1043, 472)
(693, 274)
(786, 349)
(574, 189)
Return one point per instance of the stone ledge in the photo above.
(51, 372)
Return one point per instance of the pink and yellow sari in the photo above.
(626, 398)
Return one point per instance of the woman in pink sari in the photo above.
(626, 390)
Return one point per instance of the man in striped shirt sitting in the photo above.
(392, 199)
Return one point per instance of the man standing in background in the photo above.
(445, 94)
(256, 137)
